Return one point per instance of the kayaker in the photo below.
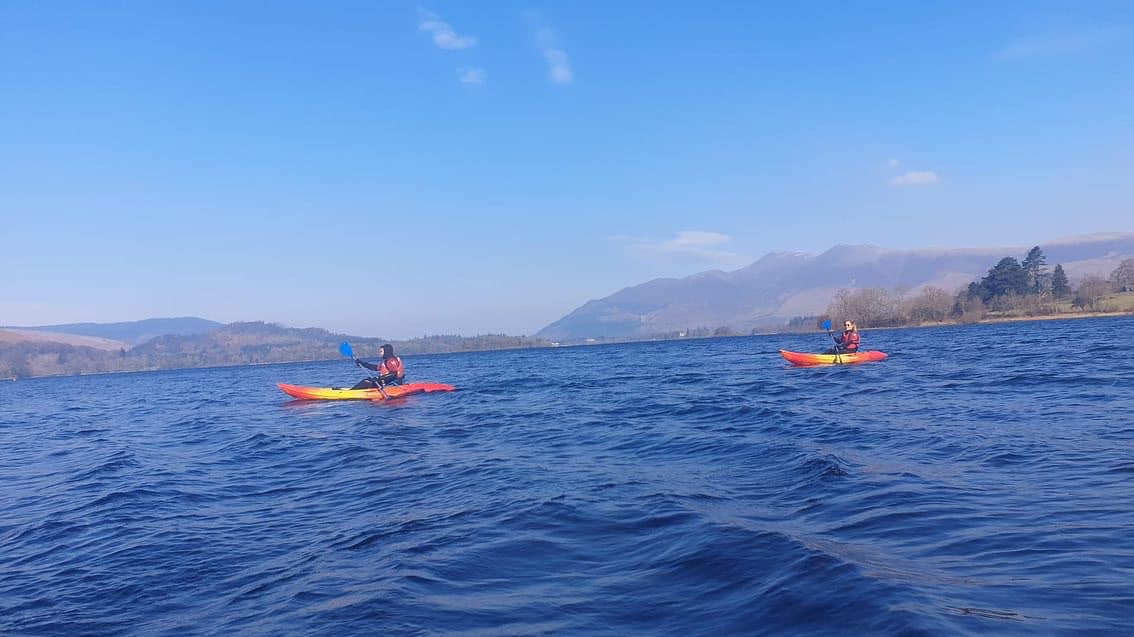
(391, 371)
(847, 342)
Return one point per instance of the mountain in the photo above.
(130, 332)
(14, 336)
(783, 285)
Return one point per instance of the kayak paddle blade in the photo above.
(826, 326)
(345, 350)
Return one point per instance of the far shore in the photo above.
(995, 319)
(1014, 319)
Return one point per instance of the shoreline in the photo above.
(1013, 319)
(993, 320)
(990, 321)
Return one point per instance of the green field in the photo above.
(1120, 302)
(1117, 302)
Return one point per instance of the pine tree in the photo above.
(1006, 277)
(1035, 264)
(1060, 288)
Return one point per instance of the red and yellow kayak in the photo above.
(800, 358)
(334, 393)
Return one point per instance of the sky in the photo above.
(401, 169)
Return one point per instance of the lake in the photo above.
(979, 481)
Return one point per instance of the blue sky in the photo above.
(399, 169)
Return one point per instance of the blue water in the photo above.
(979, 481)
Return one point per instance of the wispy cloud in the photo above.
(910, 177)
(915, 178)
(688, 245)
(558, 64)
(473, 76)
(1061, 44)
(444, 36)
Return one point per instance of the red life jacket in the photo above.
(392, 365)
(850, 340)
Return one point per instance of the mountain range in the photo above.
(782, 285)
(49, 350)
(125, 333)
(764, 295)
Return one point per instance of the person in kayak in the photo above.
(391, 371)
(848, 341)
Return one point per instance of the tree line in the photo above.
(1012, 287)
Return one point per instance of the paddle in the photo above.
(346, 350)
(827, 326)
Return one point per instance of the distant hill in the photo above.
(10, 336)
(131, 332)
(233, 344)
(783, 285)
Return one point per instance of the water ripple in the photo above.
(985, 488)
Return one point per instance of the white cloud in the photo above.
(443, 34)
(1060, 44)
(473, 76)
(894, 163)
(688, 245)
(916, 178)
(558, 64)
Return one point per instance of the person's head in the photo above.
(386, 351)
(850, 326)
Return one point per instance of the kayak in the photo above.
(799, 358)
(336, 393)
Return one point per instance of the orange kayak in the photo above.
(800, 358)
(335, 393)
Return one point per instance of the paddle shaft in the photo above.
(838, 357)
(346, 350)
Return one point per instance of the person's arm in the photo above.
(362, 363)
